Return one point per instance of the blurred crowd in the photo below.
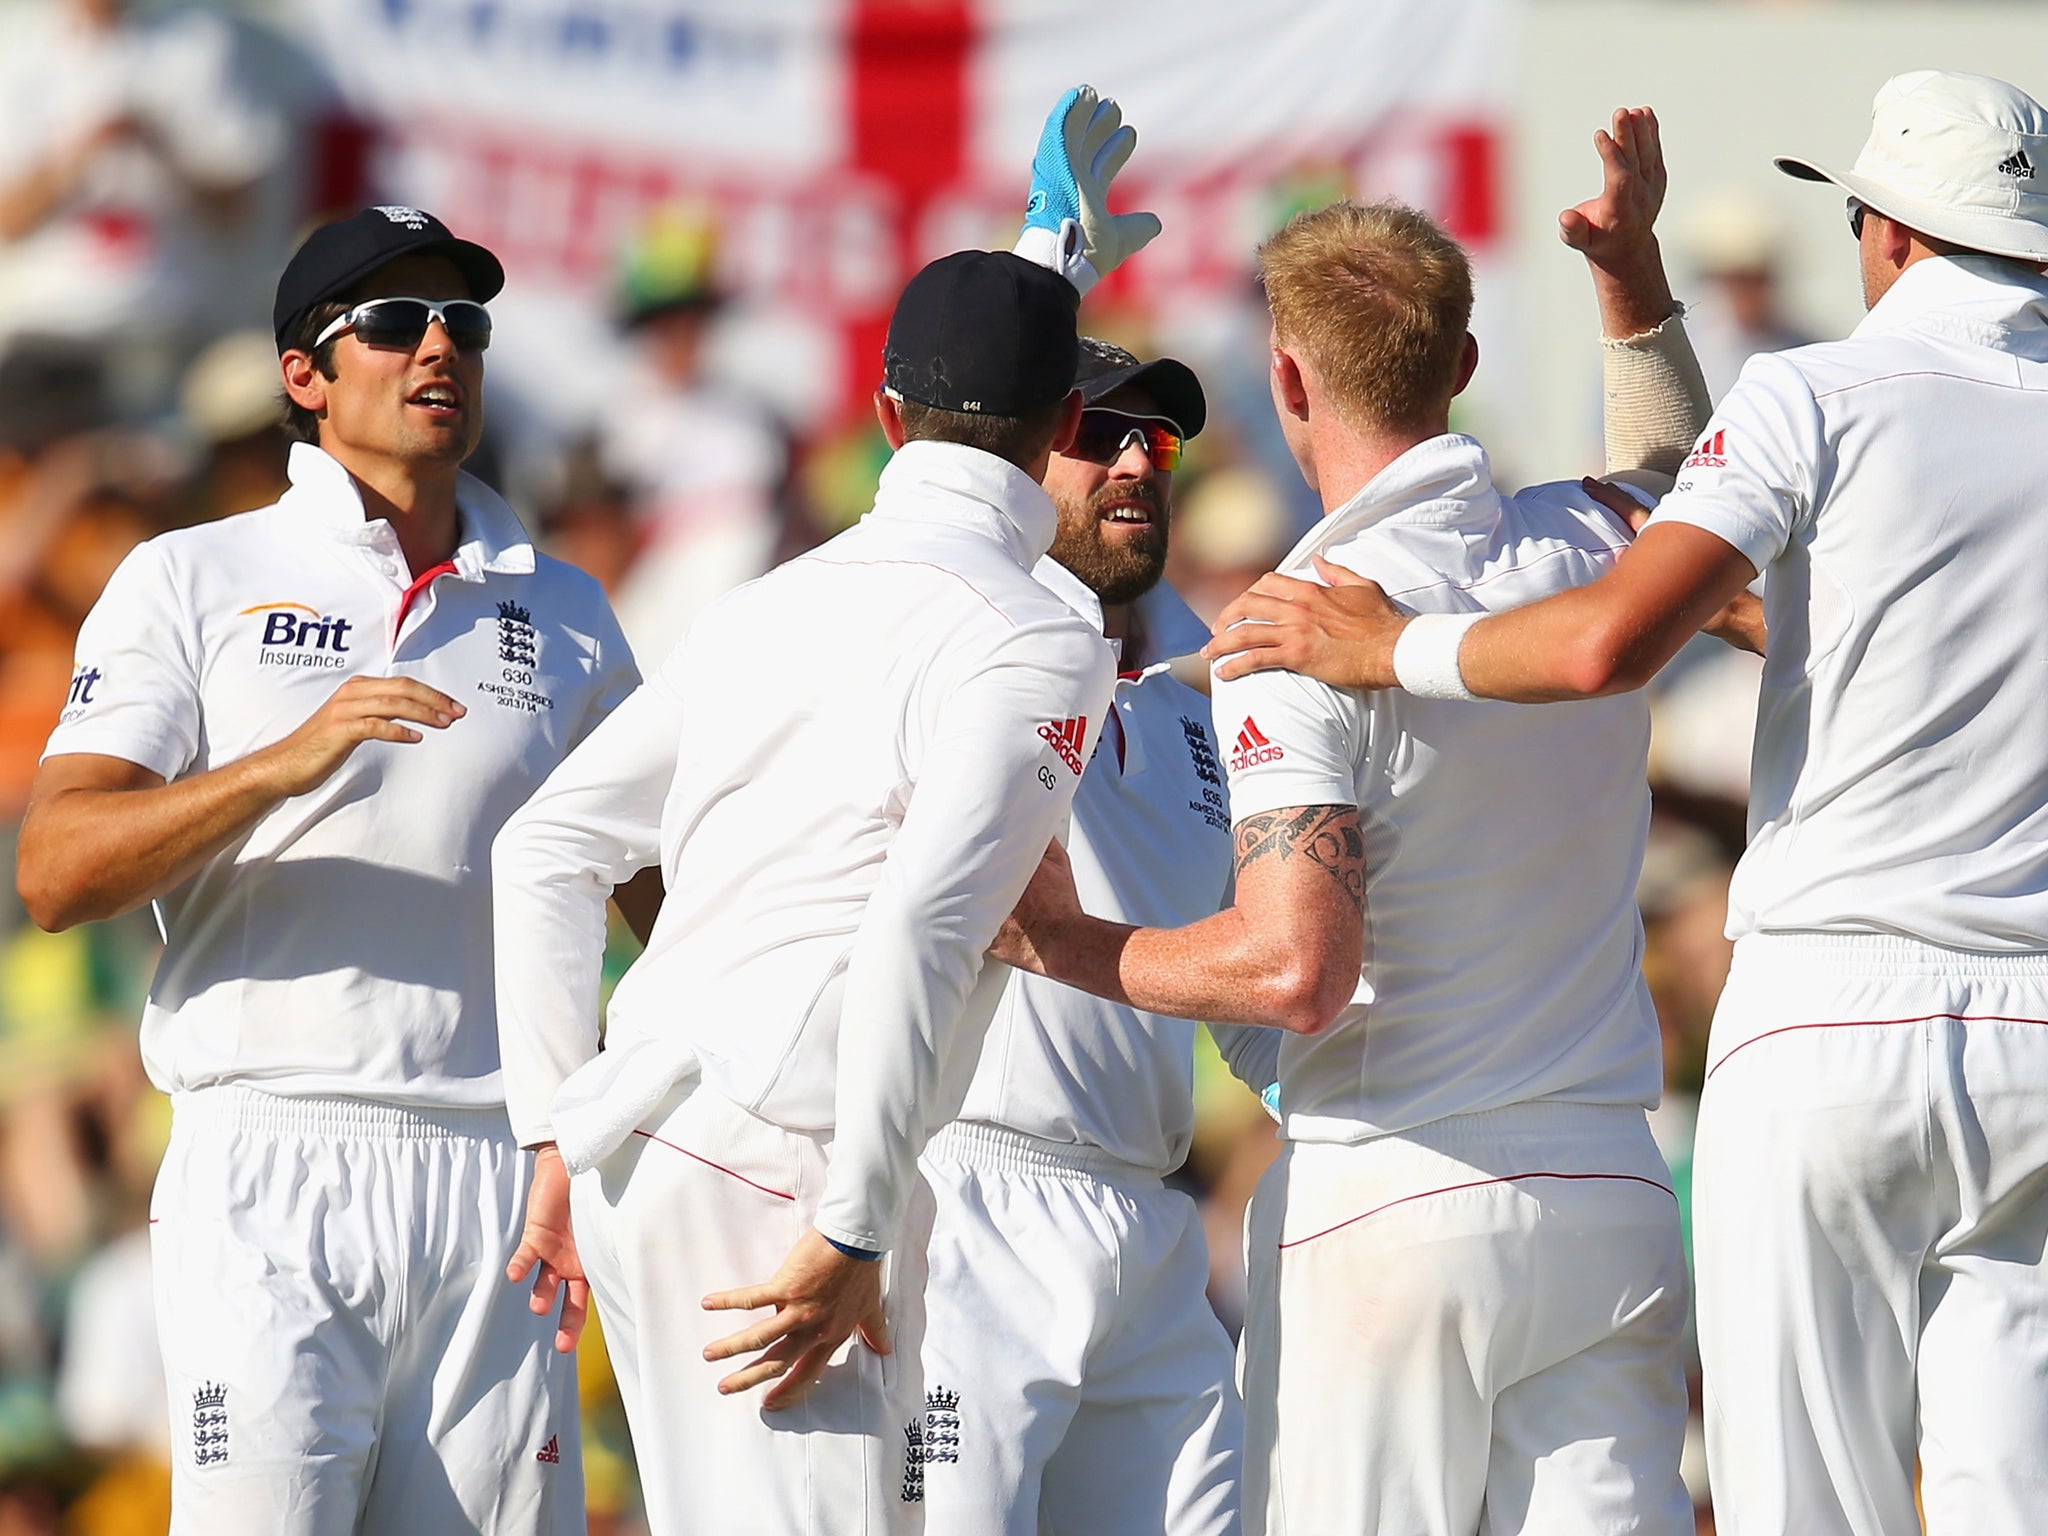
(153, 174)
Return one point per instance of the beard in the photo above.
(1119, 563)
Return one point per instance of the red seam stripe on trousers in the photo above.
(1925, 1018)
(1451, 1189)
(718, 1167)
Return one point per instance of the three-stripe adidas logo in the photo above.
(1252, 748)
(2017, 165)
(1066, 737)
(1712, 453)
(551, 1452)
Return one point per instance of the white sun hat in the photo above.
(1963, 158)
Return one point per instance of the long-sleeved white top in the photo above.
(1151, 845)
(848, 771)
(1886, 485)
(341, 946)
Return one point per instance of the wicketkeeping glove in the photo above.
(1067, 224)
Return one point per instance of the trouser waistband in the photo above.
(1879, 955)
(994, 1146)
(229, 1104)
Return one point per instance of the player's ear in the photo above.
(1290, 389)
(1468, 364)
(891, 419)
(304, 385)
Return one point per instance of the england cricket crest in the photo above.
(941, 1425)
(518, 645)
(210, 1425)
(913, 1461)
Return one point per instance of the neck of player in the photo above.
(416, 499)
(1120, 623)
(1346, 460)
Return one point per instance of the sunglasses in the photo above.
(403, 322)
(1856, 212)
(1105, 434)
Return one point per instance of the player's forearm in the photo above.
(1221, 968)
(88, 854)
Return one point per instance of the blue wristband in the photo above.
(865, 1255)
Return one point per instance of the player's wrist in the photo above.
(1426, 655)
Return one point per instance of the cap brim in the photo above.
(1990, 233)
(1171, 384)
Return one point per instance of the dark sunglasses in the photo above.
(402, 322)
(1856, 212)
(1105, 434)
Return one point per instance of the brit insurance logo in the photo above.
(295, 635)
(84, 679)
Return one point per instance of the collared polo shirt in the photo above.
(1503, 959)
(1889, 487)
(1150, 845)
(342, 945)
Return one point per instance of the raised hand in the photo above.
(1620, 223)
(1067, 222)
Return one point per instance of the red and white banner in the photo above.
(842, 143)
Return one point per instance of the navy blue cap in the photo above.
(983, 331)
(337, 256)
(1107, 367)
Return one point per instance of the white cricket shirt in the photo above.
(1503, 955)
(1889, 486)
(343, 945)
(848, 771)
(1150, 845)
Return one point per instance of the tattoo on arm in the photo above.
(1325, 835)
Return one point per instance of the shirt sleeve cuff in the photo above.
(1759, 543)
(857, 1244)
(161, 754)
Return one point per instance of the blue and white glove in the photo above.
(1067, 224)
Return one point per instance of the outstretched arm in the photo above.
(1286, 953)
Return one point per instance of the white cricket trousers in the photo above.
(1472, 1327)
(1871, 1188)
(343, 1352)
(1076, 1380)
(713, 1199)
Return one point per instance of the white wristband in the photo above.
(1426, 655)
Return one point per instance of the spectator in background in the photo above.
(1738, 248)
(128, 146)
(705, 464)
(230, 406)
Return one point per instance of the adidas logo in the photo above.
(1712, 453)
(1066, 737)
(1252, 748)
(2017, 165)
(551, 1452)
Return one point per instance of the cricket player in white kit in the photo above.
(1466, 1285)
(1871, 1152)
(846, 771)
(1076, 1378)
(297, 731)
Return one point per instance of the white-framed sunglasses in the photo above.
(401, 322)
